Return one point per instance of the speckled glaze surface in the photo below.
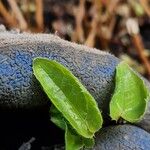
(18, 86)
(122, 137)
(20, 90)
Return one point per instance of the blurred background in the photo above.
(121, 27)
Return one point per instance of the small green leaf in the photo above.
(57, 118)
(74, 141)
(88, 143)
(130, 97)
(69, 96)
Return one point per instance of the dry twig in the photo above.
(137, 41)
(146, 6)
(18, 14)
(133, 30)
(90, 41)
(112, 6)
(39, 15)
(109, 19)
(79, 14)
(6, 15)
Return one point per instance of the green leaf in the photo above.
(130, 97)
(57, 118)
(88, 143)
(69, 96)
(74, 141)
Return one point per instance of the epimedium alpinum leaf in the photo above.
(73, 141)
(69, 96)
(57, 118)
(130, 97)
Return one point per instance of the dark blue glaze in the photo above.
(122, 137)
(20, 89)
